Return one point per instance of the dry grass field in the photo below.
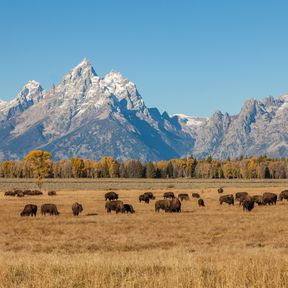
(214, 246)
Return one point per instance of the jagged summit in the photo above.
(88, 116)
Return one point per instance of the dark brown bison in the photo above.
(77, 208)
(20, 194)
(248, 203)
(111, 196)
(258, 199)
(269, 198)
(229, 199)
(128, 208)
(283, 195)
(29, 210)
(220, 190)
(50, 209)
(145, 198)
(162, 204)
(33, 192)
(168, 195)
(52, 193)
(183, 196)
(175, 205)
(195, 195)
(241, 196)
(114, 205)
(238, 195)
(201, 202)
(10, 193)
(150, 195)
(25, 192)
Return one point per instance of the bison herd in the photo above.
(169, 203)
(248, 201)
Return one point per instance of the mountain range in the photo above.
(88, 116)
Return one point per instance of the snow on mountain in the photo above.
(89, 116)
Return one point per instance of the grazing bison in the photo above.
(20, 194)
(10, 193)
(175, 205)
(50, 209)
(145, 198)
(229, 199)
(128, 208)
(29, 210)
(51, 193)
(195, 195)
(167, 195)
(220, 190)
(26, 192)
(258, 199)
(269, 198)
(114, 205)
(201, 202)
(238, 195)
(283, 195)
(33, 192)
(150, 195)
(111, 196)
(242, 197)
(162, 204)
(248, 203)
(183, 196)
(77, 209)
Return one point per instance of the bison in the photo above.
(183, 196)
(20, 194)
(111, 196)
(144, 197)
(241, 196)
(283, 195)
(162, 204)
(175, 205)
(10, 193)
(77, 208)
(258, 199)
(238, 195)
(248, 203)
(29, 210)
(229, 199)
(201, 202)
(168, 195)
(50, 209)
(269, 198)
(127, 208)
(52, 193)
(150, 195)
(220, 190)
(114, 205)
(195, 195)
(33, 192)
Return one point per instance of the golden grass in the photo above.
(215, 246)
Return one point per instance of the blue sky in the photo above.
(191, 57)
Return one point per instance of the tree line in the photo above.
(38, 164)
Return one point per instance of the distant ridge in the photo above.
(90, 117)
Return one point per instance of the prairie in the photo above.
(214, 246)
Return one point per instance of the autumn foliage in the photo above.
(38, 164)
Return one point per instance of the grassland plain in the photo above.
(214, 246)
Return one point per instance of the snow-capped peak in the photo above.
(30, 92)
(83, 70)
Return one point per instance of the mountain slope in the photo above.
(89, 116)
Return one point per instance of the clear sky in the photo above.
(191, 57)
